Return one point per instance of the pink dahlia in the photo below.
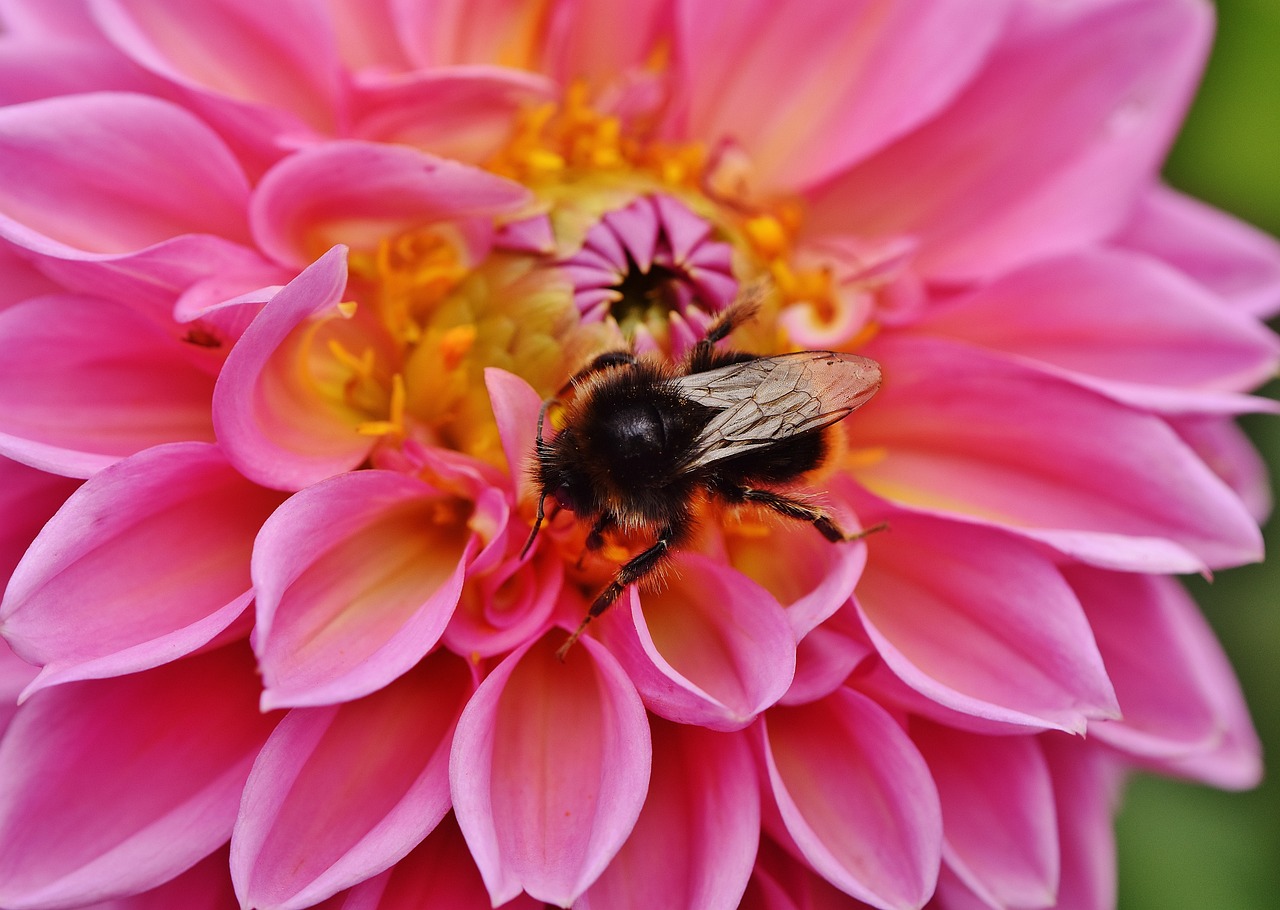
(284, 286)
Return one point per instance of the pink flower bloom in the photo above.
(282, 287)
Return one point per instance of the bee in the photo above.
(643, 441)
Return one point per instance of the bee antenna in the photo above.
(537, 523)
(542, 498)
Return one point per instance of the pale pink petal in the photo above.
(1230, 454)
(360, 192)
(35, 68)
(355, 578)
(855, 798)
(1119, 317)
(1000, 832)
(280, 57)
(695, 842)
(460, 113)
(40, 17)
(997, 442)
(87, 171)
(297, 840)
(806, 89)
(146, 562)
(1085, 787)
(85, 382)
(1179, 698)
(711, 647)
(114, 786)
(1019, 651)
(1232, 259)
(15, 675)
(606, 41)
(366, 34)
(1048, 149)
(205, 886)
(549, 770)
(439, 873)
(28, 498)
(276, 427)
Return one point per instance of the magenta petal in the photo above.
(856, 798)
(1000, 833)
(338, 794)
(1085, 787)
(515, 409)
(146, 562)
(850, 72)
(15, 675)
(277, 433)
(1230, 453)
(549, 770)
(1179, 698)
(150, 765)
(355, 578)
(84, 170)
(35, 68)
(1232, 259)
(1019, 652)
(205, 886)
(1002, 443)
(28, 498)
(1096, 92)
(84, 382)
(695, 842)
(363, 191)
(711, 647)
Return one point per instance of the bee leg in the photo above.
(629, 573)
(793, 508)
(595, 537)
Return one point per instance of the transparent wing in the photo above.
(772, 398)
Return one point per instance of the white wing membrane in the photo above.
(762, 401)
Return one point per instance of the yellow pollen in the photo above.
(347, 309)
(361, 367)
(394, 424)
(767, 235)
(456, 343)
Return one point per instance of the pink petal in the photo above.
(84, 382)
(87, 171)
(19, 278)
(507, 606)
(1047, 150)
(710, 647)
(851, 75)
(1000, 833)
(1229, 453)
(991, 629)
(856, 798)
(695, 842)
(549, 770)
(1175, 686)
(605, 41)
(1121, 318)
(366, 35)
(28, 498)
(990, 440)
(826, 656)
(1232, 259)
(29, 18)
(146, 562)
(34, 68)
(515, 409)
(205, 886)
(355, 579)
(280, 57)
(1085, 787)
(439, 873)
(464, 114)
(15, 675)
(360, 192)
(149, 767)
(339, 794)
(277, 429)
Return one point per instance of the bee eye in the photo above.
(563, 497)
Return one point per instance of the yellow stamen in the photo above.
(394, 424)
(455, 344)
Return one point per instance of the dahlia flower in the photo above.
(283, 288)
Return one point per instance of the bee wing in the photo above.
(772, 398)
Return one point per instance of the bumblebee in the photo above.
(642, 441)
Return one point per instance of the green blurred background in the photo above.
(1183, 846)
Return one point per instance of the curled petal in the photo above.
(152, 764)
(355, 579)
(710, 648)
(82, 171)
(856, 798)
(1000, 832)
(1179, 698)
(146, 562)
(277, 429)
(549, 770)
(85, 382)
(294, 843)
(987, 439)
(1019, 652)
(695, 842)
(361, 191)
